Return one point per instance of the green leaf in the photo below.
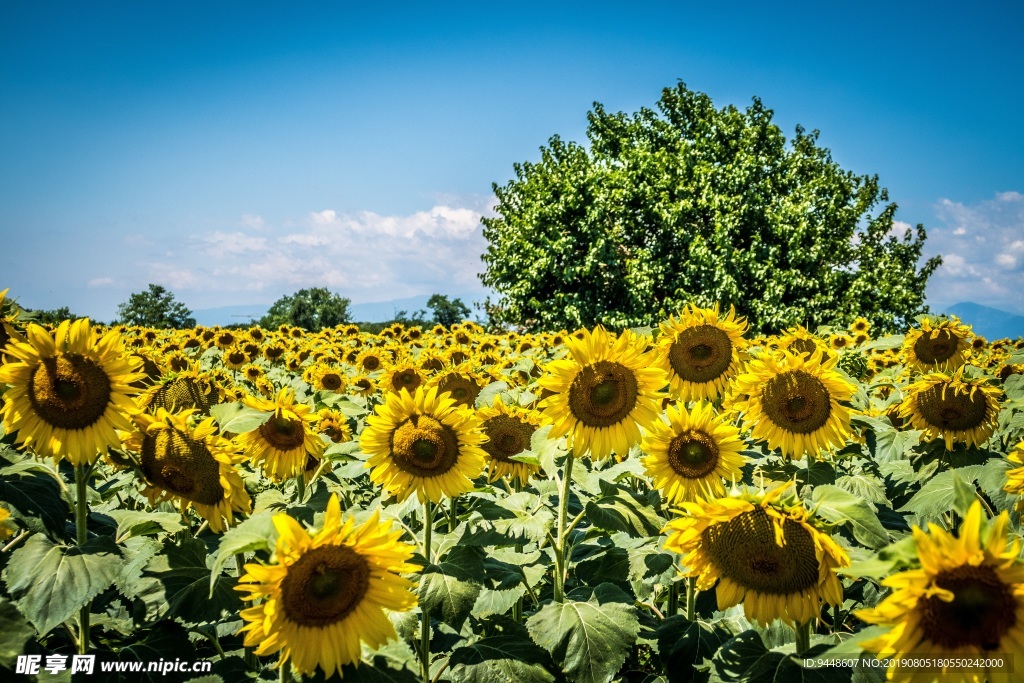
(51, 582)
(143, 523)
(841, 507)
(745, 658)
(453, 585)
(626, 511)
(938, 495)
(237, 418)
(167, 641)
(588, 640)
(34, 497)
(864, 486)
(530, 520)
(491, 602)
(505, 659)
(185, 580)
(485, 399)
(684, 644)
(255, 533)
(15, 631)
(886, 562)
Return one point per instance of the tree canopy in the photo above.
(156, 307)
(696, 204)
(310, 309)
(447, 312)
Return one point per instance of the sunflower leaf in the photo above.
(30, 492)
(485, 399)
(745, 658)
(185, 582)
(15, 631)
(255, 533)
(683, 644)
(938, 495)
(237, 418)
(842, 507)
(453, 585)
(143, 523)
(504, 659)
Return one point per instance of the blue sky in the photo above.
(236, 152)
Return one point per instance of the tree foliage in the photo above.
(696, 204)
(155, 307)
(310, 309)
(447, 312)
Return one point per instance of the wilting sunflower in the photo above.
(70, 392)
(939, 344)
(327, 594)
(700, 351)
(965, 601)
(952, 408)
(423, 442)
(282, 443)
(509, 430)
(690, 455)
(792, 401)
(602, 393)
(765, 550)
(190, 464)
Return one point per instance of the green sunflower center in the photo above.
(796, 401)
(701, 354)
(424, 446)
(324, 585)
(69, 391)
(177, 463)
(982, 611)
(603, 394)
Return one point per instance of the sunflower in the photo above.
(700, 351)
(952, 408)
(324, 377)
(334, 425)
(404, 375)
(190, 389)
(792, 401)
(362, 385)
(6, 527)
(800, 341)
(327, 594)
(462, 383)
(190, 464)
(423, 442)
(690, 455)
(282, 443)
(235, 357)
(860, 326)
(966, 600)
(70, 392)
(839, 341)
(370, 360)
(602, 393)
(764, 550)
(938, 344)
(509, 430)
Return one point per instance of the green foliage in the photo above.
(156, 307)
(311, 309)
(447, 312)
(697, 204)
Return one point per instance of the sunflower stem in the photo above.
(673, 599)
(428, 523)
(560, 540)
(300, 486)
(82, 535)
(803, 637)
(691, 598)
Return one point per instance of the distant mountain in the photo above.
(230, 315)
(990, 323)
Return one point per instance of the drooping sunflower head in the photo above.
(69, 392)
(187, 461)
(794, 402)
(509, 430)
(602, 393)
(189, 389)
(764, 550)
(690, 455)
(282, 443)
(424, 443)
(701, 351)
(966, 598)
(952, 408)
(939, 344)
(326, 594)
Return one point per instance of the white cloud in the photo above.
(100, 282)
(253, 222)
(1006, 261)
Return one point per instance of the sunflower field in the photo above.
(682, 503)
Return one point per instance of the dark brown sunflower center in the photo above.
(693, 454)
(982, 611)
(283, 433)
(462, 389)
(700, 354)
(185, 392)
(69, 391)
(936, 346)
(956, 411)
(506, 436)
(744, 550)
(173, 461)
(273, 352)
(371, 363)
(333, 431)
(331, 381)
(796, 401)
(406, 379)
(324, 586)
(425, 447)
(603, 394)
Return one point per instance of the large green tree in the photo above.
(447, 311)
(155, 307)
(691, 203)
(310, 309)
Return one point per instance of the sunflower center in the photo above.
(506, 436)
(603, 394)
(700, 354)
(693, 454)
(425, 447)
(952, 409)
(371, 363)
(175, 462)
(936, 346)
(744, 550)
(283, 433)
(69, 391)
(982, 611)
(463, 390)
(184, 392)
(324, 586)
(407, 380)
(331, 381)
(797, 401)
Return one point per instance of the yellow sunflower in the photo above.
(793, 402)
(69, 393)
(860, 326)
(764, 550)
(423, 442)
(690, 455)
(404, 375)
(602, 393)
(327, 594)
(324, 377)
(509, 430)
(965, 601)
(800, 341)
(283, 443)
(939, 344)
(190, 464)
(189, 389)
(1015, 476)
(6, 527)
(700, 351)
(952, 408)
(334, 425)
(462, 383)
